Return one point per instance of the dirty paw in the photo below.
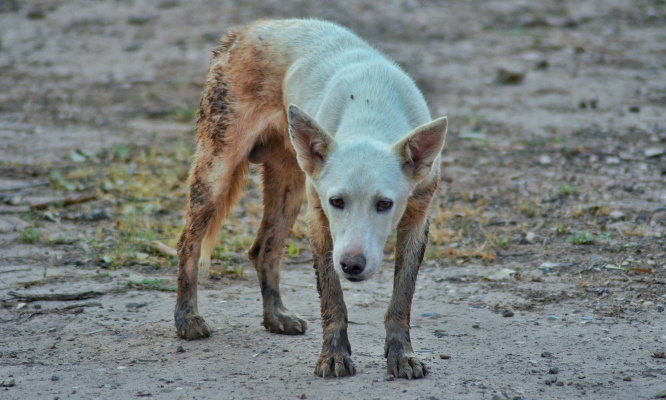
(336, 365)
(192, 327)
(285, 323)
(406, 366)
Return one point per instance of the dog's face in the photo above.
(363, 186)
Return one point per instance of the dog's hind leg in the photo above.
(412, 237)
(215, 183)
(283, 184)
(335, 358)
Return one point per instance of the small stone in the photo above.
(302, 396)
(660, 308)
(612, 160)
(635, 108)
(55, 378)
(553, 318)
(554, 370)
(180, 349)
(627, 379)
(444, 356)
(660, 395)
(654, 152)
(507, 313)
(36, 13)
(617, 215)
(476, 325)
(658, 354)
(531, 237)
(8, 383)
(545, 160)
(508, 77)
(546, 354)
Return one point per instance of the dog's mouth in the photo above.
(354, 279)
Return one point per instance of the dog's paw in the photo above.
(192, 327)
(335, 365)
(406, 366)
(285, 323)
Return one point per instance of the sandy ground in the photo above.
(569, 139)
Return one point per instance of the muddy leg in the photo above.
(335, 358)
(412, 237)
(213, 186)
(283, 183)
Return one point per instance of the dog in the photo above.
(331, 119)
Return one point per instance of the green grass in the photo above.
(566, 190)
(29, 235)
(151, 284)
(584, 237)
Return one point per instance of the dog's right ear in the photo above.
(310, 140)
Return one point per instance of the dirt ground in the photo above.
(546, 273)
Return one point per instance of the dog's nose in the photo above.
(352, 265)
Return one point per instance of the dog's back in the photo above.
(336, 77)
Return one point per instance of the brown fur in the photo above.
(242, 119)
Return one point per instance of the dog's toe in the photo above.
(192, 327)
(285, 323)
(406, 366)
(336, 365)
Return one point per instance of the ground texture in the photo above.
(545, 277)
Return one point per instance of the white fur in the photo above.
(363, 105)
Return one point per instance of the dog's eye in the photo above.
(337, 202)
(384, 205)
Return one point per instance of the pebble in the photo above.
(617, 215)
(660, 395)
(476, 325)
(507, 313)
(660, 308)
(444, 356)
(545, 160)
(654, 152)
(8, 383)
(554, 370)
(180, 349)
(627, 379)
(55, 378)
(635, 108)
(303, 396)
(428, 314)
(546, 354)
(612, 160)
(553, 318)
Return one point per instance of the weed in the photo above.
(584, 237)
(293, 250)
(529, 208)
(29, 235)
(150, 284)
(566, 190)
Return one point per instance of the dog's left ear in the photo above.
(419, 149)
(311, 142)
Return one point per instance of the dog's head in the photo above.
(363, 185)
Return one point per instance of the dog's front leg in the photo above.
(412, 237)
(335, 358)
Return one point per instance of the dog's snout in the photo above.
(352, 265)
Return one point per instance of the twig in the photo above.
(164, 249)
(67, 201)
(25, 186)
(56, 296)
(15, 270)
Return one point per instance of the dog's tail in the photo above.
(211, 238)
